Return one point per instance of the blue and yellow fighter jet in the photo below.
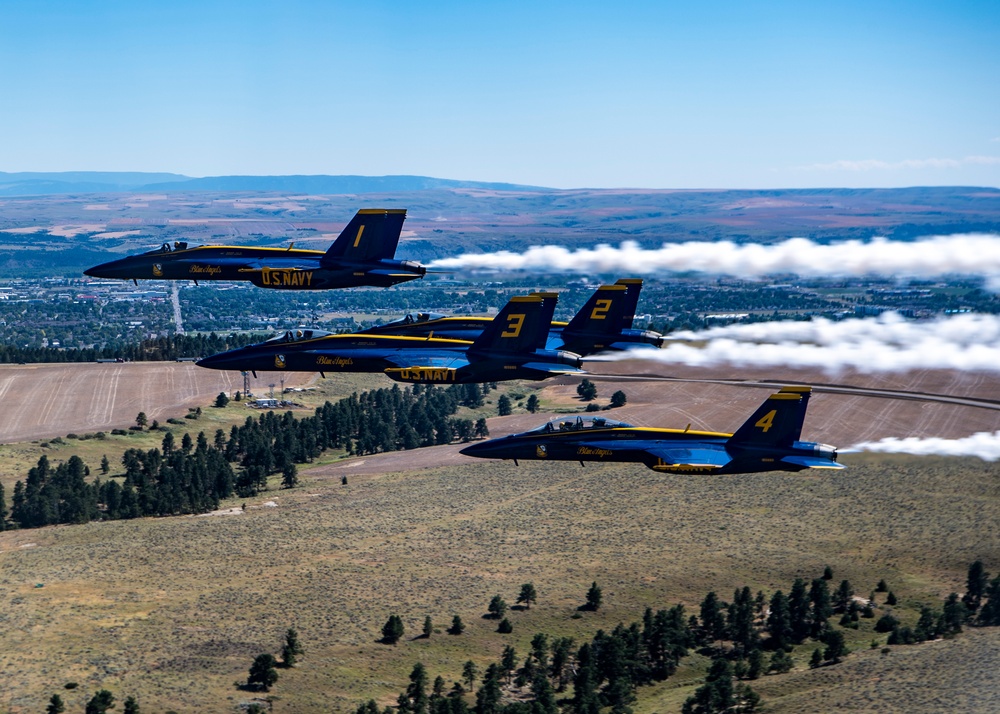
(603, 324)
(767, 441)
(361, 255)
(511, 347)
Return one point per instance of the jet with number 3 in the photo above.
(361, 255)
(767, 441)
(511, 347)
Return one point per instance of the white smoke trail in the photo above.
(983, 444)
(964, 254)
(888, 343)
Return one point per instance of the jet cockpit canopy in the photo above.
(413, 318)
(578, 423)
(297, 335)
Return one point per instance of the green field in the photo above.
(173, 610)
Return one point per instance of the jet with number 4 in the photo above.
(511, 347)
(603, 324)
(361, 255)
(767, 441)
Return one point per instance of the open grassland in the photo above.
(173, 610)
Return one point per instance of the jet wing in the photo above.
(423, 359)
(679, 458)
(811, 462)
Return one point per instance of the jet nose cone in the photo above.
(219, 361)
(98, 271)
(479, 450)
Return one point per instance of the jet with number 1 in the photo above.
(363, 254)
(767, 441)
(511, 347)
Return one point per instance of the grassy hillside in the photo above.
(173, 610)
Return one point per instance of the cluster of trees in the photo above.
(587, 391)
(979, 606)
(194, 476)
(737, 635)
(175, 481)
(150, 350)
(264, 670)
(100, 703)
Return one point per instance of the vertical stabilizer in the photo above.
(777, 422)
(371, 235)
(521, 326)
(602, 314)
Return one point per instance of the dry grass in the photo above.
(174, 609)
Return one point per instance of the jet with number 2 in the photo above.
(603, 324)
(361, 255)
(511, 347)
(767, 441)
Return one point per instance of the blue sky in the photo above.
(600, 94)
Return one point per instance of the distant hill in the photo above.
(69, 182)
(31, 183)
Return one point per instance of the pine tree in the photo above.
(587, 390)
(105, 465)
(842, 597)
(819, 596)
(594, 598)
(100, 702)
(221, 400)
(835, 647)
(508, 661)
(989, 613)
(428, 627)
(457, 626)
(505, 627)
(503, 405)
(469, 673)
(890, 598)
(488, 696)
(292, 648)
(618, 399)
(713, 622)
(262, 672)
(417, 691)
(131, 706)
(528, 595)
(828, 573)
(975, 587)
(56, 705)
(585, 698)
(289, 476)
(392, 630)
(781, 662)
(140, 421)
(817, 658)
(497, 607)
(532, 403)
(779, 621)
(717, 694)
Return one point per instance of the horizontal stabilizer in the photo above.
(811, 462)
(553, 369)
